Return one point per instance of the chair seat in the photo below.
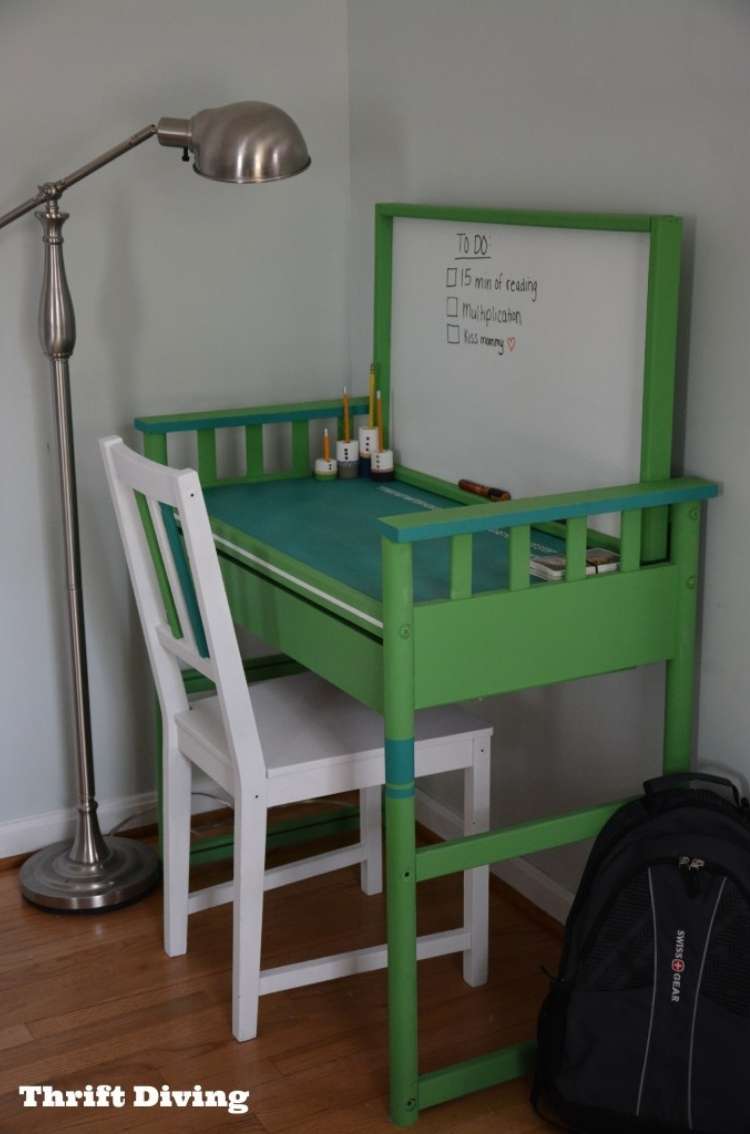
(308, 725)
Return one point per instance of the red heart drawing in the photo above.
(511, 342)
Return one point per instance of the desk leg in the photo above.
(680, 692)
(398, 647)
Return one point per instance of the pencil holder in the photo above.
(381, 465)
(368, 444)
(324, 470)
(347, 459)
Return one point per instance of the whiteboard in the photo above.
(517, 353)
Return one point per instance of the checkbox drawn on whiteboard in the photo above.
(451, 306)
(453, 333)
(451, 277)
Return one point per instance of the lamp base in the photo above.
(52, 880)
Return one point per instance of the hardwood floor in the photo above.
(93, 999)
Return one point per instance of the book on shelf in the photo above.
(599, 561)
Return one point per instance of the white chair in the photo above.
(280, 741)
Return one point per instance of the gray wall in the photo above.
(188, 293)
(587, 104)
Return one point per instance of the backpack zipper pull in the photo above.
(690, 869)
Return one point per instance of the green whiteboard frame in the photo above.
(662, 301)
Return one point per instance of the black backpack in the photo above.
(647, 1027)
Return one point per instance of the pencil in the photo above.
(347, 427)
(380, 421)
(371, 404)
(326, 446)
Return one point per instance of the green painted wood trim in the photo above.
(398, 643)
(185, 577)
(519, 554)
(541, 509)
(476, 1074)
(451, 491)
(461, 565)
(559, 631)
(596, 538)
(525, 838)
(381, 323)
(219, 852)
(679, 710)
(283, 833)
(228, 481)
(170, 610)
(659, 371)
(327, 823)
(206, 455)
(575, 549)
(434, 484)
(401, 899)
(269, 558)
(254, 469)
(301, 448)
(615, 222)
(337, 650)
(251, 415)
(155, 448)
(265, 668)
(630, 540)
(286, 833)
(401, 883)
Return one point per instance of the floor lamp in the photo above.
(244, 143)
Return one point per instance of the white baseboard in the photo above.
(22, 836)
(527, 879)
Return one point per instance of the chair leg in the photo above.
(176, 849)
(371, 837)
(476, 882)
(249, 868)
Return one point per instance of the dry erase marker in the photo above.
(485, 490)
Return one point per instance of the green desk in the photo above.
(409, 595)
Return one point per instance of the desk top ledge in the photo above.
(545, 509)
(252, 415)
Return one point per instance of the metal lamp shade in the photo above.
(243, 143)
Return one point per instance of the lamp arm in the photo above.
(52, 190)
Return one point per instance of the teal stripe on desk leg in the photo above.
(400, 791)
(399, 761)
(399, 768)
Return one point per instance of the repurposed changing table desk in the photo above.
(409, 594)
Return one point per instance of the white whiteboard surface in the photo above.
(531, 379)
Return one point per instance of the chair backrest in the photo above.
(174, 569)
